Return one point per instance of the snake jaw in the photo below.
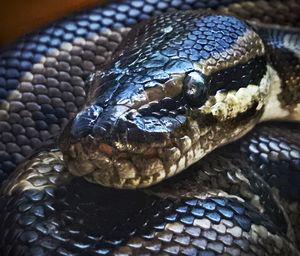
(110, 167)
(123, 165)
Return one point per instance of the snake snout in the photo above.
(111, 146)
(122, 146)
(101, 124)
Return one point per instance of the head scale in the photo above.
(180, 85)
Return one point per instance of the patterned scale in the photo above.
(284, 53)
(274, 156)
(211, 209)
(241, 200)
(42, 75)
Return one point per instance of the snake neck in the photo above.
(284, 54)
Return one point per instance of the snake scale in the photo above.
(146, 103)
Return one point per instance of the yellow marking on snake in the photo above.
(228, 104)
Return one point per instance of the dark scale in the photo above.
(77, 217)
(275, 160)
(151, 55)
(50, 221)
(16, 67)
(143, 223)
(238, 76)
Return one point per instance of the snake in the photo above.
(145, 127)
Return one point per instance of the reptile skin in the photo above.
(243, 199)
(218, 207)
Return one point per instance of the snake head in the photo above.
(177, 87)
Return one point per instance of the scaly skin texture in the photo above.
(241, 200)
(226, 204)
(167, 89)
(42, 76)
(142, 99)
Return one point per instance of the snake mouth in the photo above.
(124, 160)
(131, 166)
(109, 166)
(124, 147)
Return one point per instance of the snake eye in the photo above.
(195, 89)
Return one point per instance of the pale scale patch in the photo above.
(33, 171)
(260, 234)
(295, 115)
(227, 105)
(273, 108)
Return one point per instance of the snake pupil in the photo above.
(195, 89)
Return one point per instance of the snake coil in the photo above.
(164, 92)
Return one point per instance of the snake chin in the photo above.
(112, 167)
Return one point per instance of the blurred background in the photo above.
(19, 17)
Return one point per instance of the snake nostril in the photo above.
(83, 122)
(101, 129)
(104, 126)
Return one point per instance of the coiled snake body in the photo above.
(178, 86)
